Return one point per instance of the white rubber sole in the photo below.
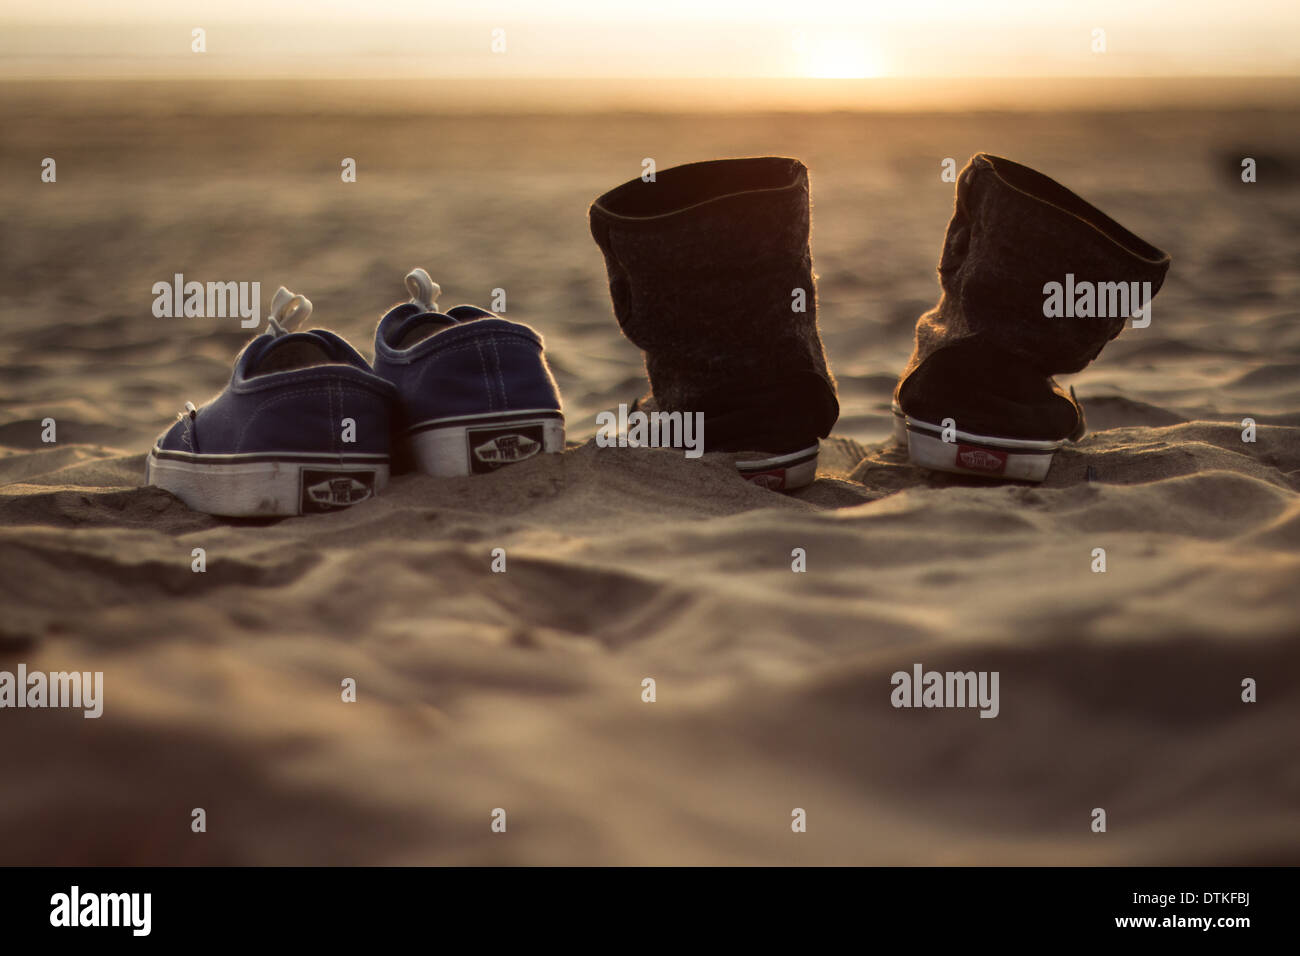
(267, 485)
(986, 456)
(478, 444)
(782, 472)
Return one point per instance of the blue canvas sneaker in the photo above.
(474, 391)
(302, 427)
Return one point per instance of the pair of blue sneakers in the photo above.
(307, 425)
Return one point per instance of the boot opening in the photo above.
(684, 186)
(1048, 190)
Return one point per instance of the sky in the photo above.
(860, 39)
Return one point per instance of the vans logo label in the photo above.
(773, 480)
(981, 459)
(331, 490)
(490, 448)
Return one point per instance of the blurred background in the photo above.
(673, 38)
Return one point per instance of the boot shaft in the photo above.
(1017, 250)
(1014, 232)
(710, 274)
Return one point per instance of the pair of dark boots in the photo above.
(711, 277)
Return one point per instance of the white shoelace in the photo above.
(424, 291)
(288, 311)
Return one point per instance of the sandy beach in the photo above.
(523, 690)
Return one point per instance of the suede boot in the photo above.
(1035, 281)
(709, 266)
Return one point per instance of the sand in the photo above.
(523, 690)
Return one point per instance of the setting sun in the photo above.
(837, 57)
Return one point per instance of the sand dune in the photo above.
(522, 690)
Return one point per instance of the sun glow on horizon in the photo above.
(843, 40)
(837, 57)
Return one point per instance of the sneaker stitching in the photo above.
(487, 383)
(505, 400)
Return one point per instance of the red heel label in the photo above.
(773, 480)
(981, 459)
